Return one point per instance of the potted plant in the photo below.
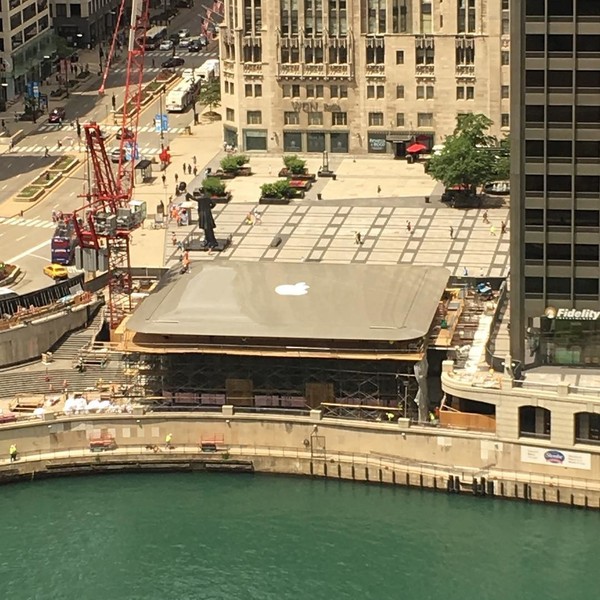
(294, 165)
(215, 188)
(233, 165)
(278, 192)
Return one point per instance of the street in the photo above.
(26, 240)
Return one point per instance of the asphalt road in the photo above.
(26, 241)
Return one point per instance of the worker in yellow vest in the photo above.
(168, 440)
(13, 453)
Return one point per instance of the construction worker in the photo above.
(13, 452)
(168, 440)
(390, 416)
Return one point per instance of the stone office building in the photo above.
(360, 76)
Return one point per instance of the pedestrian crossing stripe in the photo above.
(112, 129)
(144, 150)
(22, 222)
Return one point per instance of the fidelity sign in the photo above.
(586, 314)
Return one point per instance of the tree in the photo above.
(234, 162)
(210, 94)
(470, 155)
(503, 160)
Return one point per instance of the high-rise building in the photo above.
(360, 76)
(82, 22)
(26, 44)
(555, 188)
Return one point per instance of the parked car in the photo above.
(173, 62)
(166, 45)
(197, 43)
(115, 154)
(56, 272)
(174, 37)
(57, 115)
(185, 42)
(125, 133)
(183, 33)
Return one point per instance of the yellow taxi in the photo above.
(56, 272)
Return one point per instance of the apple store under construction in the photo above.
(289, 335)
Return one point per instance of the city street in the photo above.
(26, 240)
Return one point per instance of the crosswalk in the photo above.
(155, 58)
(70, 143)
(65, 127)
(22, 222)
(180, 52)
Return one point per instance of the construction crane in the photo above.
(105, 223)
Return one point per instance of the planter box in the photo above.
(224, 174)
(244, 171)
(69, 162)
(55, 177)
(36, 194)
(224, 199)
(267, 200)
(324, 173)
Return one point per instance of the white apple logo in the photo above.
(293, 289)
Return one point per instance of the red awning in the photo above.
(415, 148)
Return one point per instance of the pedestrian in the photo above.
(195, 170)
(174, 239)
(194, 160)
(189, 169)
(153, 63)
(168, 441)
(358, 238)
(225, 146)
(485, 217)
(164, 180)
(502, 227)
(257, 217)
(46, 152)
(114, 102)
(59, 144)
(408, 226)
(13, 452)
(184, 168)
(451, 232)
(176, 178)
(465, 272)
(379, 189)
(493, 231)
(3, 124)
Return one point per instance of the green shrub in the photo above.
(278, 189)
(294, 164)
(213, 186)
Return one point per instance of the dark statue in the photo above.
(206, 220)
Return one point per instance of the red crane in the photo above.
(104, 225)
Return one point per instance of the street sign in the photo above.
(132, 152)
(36, 89)
(161, 123)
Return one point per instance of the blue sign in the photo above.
(161, 123)
(33, 89)
(132, 151)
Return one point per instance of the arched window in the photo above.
(534, 422)
(587, 428)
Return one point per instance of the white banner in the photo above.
(558, 458)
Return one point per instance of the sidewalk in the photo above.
(153, 247)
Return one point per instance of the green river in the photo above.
(228, 537)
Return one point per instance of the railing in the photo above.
(412, 469)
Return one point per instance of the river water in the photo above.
(228, 537)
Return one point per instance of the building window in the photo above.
(424, 119)
(314, 91)
(291, 118)
(338, 91)
(426, 16)
(399, 91)
(376, 16)
(295, 91)
(399, 119)
(399, 14)
(424, 92)
(247, 89)
(254, 117)
(425, 56)
(339, 118)
(257, 90)
(230, 114)
(466, 16)
(286, 91)
(460, 92)
(465, 53)
(399, 57)
(375, 55)
(376, 91)
(587, 424)
(505, 57)
(505, 91)
(315, 118)
(534, 422)
(505, 120)
(470, 92)
(375, 119)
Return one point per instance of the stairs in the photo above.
(34, 382)
(68, 347)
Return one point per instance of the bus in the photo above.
(181, 97)
(155, 36)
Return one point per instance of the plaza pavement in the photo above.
(325, 230)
